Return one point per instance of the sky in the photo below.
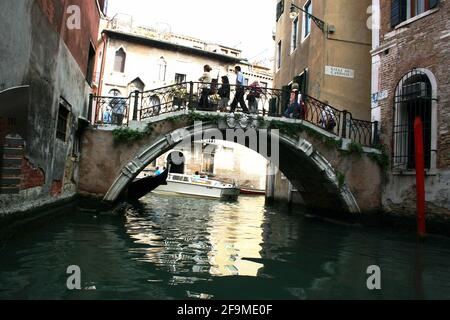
(243, 24)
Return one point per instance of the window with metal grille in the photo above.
(280, 9)
(307, 19)
(413, 99)
(278, 55)
(180, 78)
(402, 10)
(119, 61)
(63, 118)
(294, 34)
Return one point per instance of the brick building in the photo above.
(411, 54)
(47, 59)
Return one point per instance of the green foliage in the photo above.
(193, 116)
(292, 130)
(356, 148)
(383, 158)
(127, 135)
(341, 178)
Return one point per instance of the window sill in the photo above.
(418, 17)
(428, 173)
(305, 38)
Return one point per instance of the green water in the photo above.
(179, 247)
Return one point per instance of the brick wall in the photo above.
(31, 177)
(424, 43)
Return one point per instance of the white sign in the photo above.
(379, 96)
(339, 72)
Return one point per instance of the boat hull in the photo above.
(198, 190)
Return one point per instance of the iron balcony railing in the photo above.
(261, 101)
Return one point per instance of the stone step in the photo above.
(9, 190)
(10, 181)
(11, 151)
(7, 172)
(11, 163)
(11, 141)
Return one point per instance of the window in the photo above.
(294, 34)
(90, 64)
(402, 10)
(279, 55)
(264, 84)
(63, 119)
(307, 19)
(162, 68)
(280, 9)
(413, 98)
(302, 81)
(119, 61)
(118, 106)
(180, 78)
(246, 82)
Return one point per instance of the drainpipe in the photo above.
(102, 67)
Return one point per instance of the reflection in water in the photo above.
(236, 234)
(184, 239)
(180, 247)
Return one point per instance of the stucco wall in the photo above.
(349, 47)
(35, 55)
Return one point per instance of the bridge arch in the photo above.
(305, 167)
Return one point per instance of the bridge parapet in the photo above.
(267, 103)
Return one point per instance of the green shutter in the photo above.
(302, 82)
(285, 97)
(434, 3)
(398, 12)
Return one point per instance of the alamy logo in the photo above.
(374, 280)
(373, 22)
(74, 280)
(73, 21)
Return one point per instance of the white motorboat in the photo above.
(197, 186)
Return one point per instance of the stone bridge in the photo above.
(330, 172)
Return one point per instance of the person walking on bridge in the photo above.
(240, 91)
(204, 86)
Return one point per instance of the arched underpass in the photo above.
(312, 166)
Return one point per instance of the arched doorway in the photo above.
(413, 98)
(176, 162)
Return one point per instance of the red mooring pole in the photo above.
(420, 177)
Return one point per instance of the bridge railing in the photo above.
(262, 101)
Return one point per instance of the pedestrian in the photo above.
(224, 93)
(294, 110)
(253, 96)
(204, 88)
(328, 118)
(240, 91)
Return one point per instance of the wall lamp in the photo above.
(322, 25)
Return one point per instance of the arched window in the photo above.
(119, 61)
(117, 106)
(162, 68)
(413, 98)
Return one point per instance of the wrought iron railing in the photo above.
(261, 101)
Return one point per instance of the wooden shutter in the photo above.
(398, 12)
(280, 9)
(434, 3)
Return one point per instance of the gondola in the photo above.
(141, 187)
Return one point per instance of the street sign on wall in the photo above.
(339, 72)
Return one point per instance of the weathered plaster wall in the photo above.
(34, 54)
(349, 47)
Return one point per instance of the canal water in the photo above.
(169, 247)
